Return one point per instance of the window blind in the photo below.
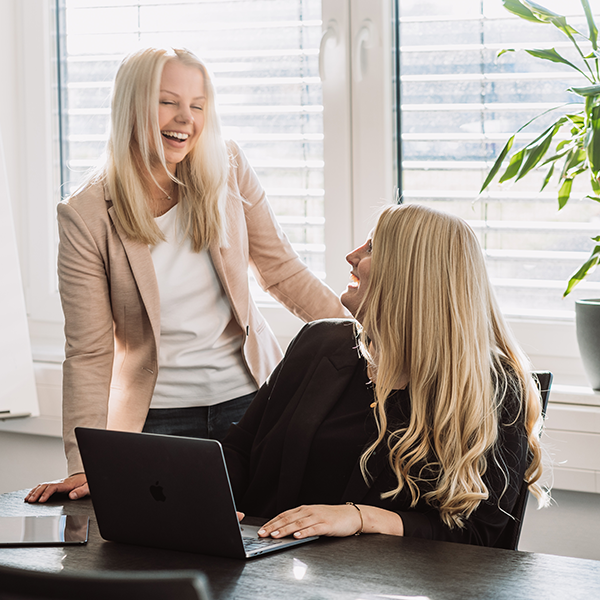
(459, 105)
(263, 55)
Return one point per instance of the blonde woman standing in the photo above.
(162, 334)
(422, 419)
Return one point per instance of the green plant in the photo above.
(579, 151)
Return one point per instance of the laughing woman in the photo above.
(162, 334)
(421, 420)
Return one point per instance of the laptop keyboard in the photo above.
(251, 544)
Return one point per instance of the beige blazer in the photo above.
(110, 300)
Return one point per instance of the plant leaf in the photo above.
(558, 155)
(593, 30)
(585, 268)
(534, 155)
(573, 173)
(514, 166)
(553, 56)
(592, 145)
(535, 151)
(567, 163)
(506, 149)
(548, 177)
(517, 8)
(560, 22)
(538, 11)
(547, 16)
(575, 157)
(564, 193)
(498, 163)
(590, 90)
(504, 51)
(576, 118)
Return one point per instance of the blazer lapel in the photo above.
(234, 280)
(327, 383)
(142, 268)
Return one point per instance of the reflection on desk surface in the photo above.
(365, 567)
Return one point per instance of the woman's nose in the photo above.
(352, 258)
(185, 115)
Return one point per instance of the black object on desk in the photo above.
(47, 530)
(149, 478)
(156, 585)
(350, 568)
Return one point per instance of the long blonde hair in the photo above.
(135, 147)
(430, 313)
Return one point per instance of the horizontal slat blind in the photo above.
(460, 103)
(264, 58)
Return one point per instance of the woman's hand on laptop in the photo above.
(315, 519)
(75, 485)
(333, 520)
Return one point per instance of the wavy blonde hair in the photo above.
(429, 313)
(135, 148)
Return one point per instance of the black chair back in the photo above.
(22, 584)
(509, 538)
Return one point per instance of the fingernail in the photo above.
(298, 534)
(261, 532)
(274, 533)
(73, 496)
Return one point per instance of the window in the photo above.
(460, 104)
(324, 170)
(263, 55)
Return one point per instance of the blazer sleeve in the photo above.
(89, 349)
(506, 470)
(277, 267)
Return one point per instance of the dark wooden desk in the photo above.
(354, 568)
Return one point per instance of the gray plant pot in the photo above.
(587, 321)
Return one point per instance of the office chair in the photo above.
(509, 538)
(22, 584)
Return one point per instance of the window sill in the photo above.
(574, 394)
(42, 425)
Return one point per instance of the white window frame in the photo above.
(40, 172)
(359, 173)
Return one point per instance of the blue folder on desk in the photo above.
(167, 492)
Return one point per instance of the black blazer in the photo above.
(267, 450)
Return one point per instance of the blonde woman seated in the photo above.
(420, 419)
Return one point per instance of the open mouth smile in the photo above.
(354, 280)
(175, 136)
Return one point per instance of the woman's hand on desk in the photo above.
(337, 520)
(75, 485)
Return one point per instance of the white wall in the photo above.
(10, 113)
(25, 458)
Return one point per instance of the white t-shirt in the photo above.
(200, 359)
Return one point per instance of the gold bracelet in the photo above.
(362, 524)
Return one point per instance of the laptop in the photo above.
(167, 492)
